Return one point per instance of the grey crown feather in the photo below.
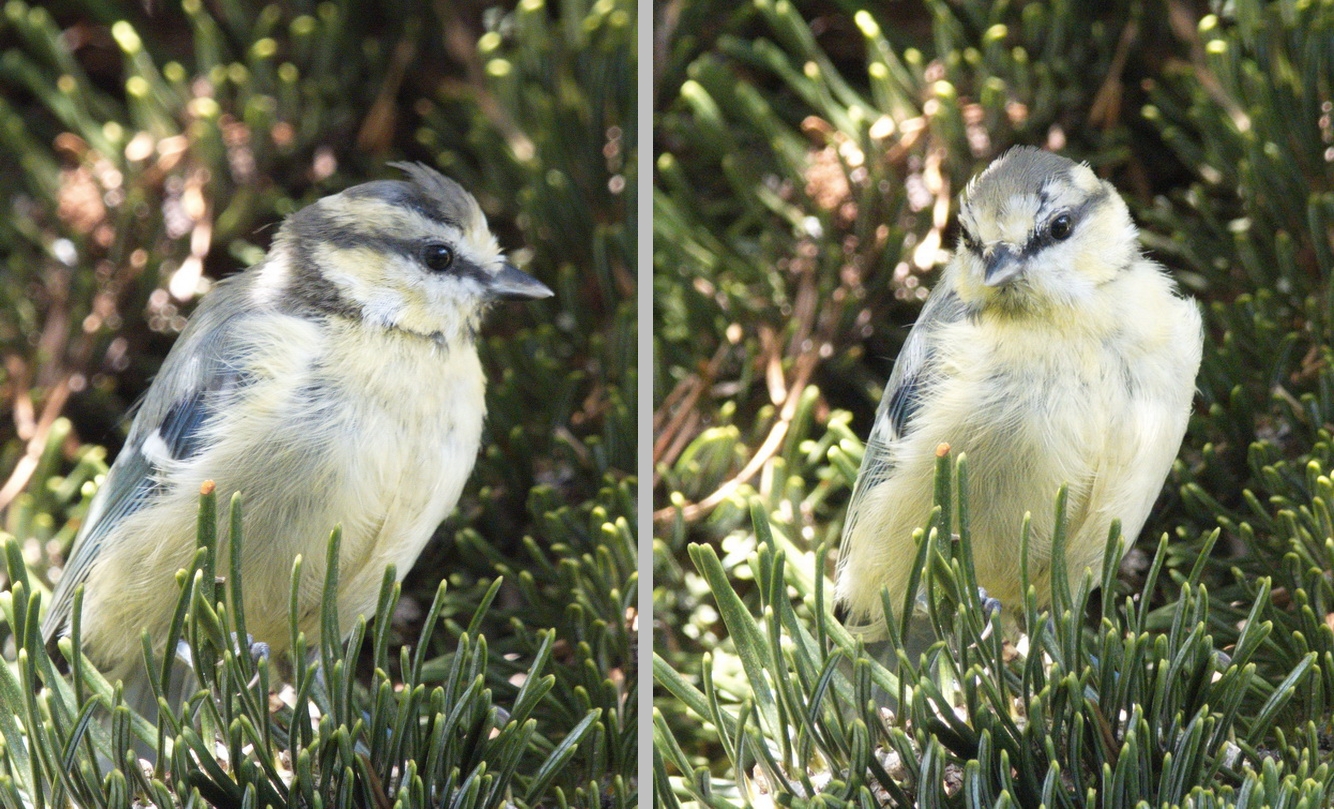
(454, 201)
(1022, 170)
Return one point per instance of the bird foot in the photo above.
(258, 650)
(990, 606)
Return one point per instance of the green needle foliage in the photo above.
(147, 150)
(418, 741)
(1115, 714)
(808, 160)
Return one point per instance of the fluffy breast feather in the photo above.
(1096, 397)
(373, 430)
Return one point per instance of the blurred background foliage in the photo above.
(148, 149)
(808, 160)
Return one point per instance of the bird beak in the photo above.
(513, 284)
(1000, 265)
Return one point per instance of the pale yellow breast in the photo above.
(376, 432)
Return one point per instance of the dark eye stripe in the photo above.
(1042, 238)
(969, 240)
(310, 227)
(411, 249)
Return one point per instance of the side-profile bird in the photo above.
(335, 383)
(1052, 352)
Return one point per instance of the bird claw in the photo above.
(258, 650)
(990, 606)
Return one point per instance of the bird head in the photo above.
(416, 256)
(1037, 230)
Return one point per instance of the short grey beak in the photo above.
(513, 284)
(1000, 265)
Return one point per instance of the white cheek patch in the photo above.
(446, 297)
(387, 283)
(459, 286)
(369, 281)
(383, 309)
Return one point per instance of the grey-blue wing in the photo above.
(201, 370)
(915, 371)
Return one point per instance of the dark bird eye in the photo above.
(437, 257)
(1061, 227)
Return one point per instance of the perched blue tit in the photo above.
(1052, 353)
(335, 383)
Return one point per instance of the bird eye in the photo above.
(437, 257)
(1061, 227)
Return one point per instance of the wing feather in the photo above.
(186, 394)
(915, 372)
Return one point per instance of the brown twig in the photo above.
(18, 479)
(679, 427)
(680, 440)
(1185, 24)
(52, 376)
(807, 314)
(461, 43)
(805, 365)
(377, 128)
(1106, 107)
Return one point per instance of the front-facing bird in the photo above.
(335, 383)
(1052, 353)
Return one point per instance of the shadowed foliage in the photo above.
(148, 149)
(808, 161)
